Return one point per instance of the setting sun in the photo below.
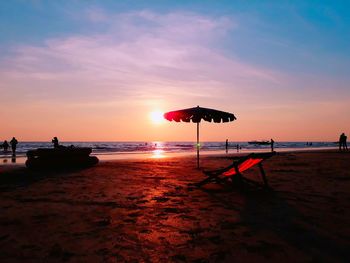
(156, 117)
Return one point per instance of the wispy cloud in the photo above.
(138, 55)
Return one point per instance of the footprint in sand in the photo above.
(160, 199)
(57, 251)
(134, 214)
(103, 222)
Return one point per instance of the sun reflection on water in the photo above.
(158, 150)
(158, 153)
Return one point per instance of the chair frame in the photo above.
(218, 177)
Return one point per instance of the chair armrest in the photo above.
(218, 171)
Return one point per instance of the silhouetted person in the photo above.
(342, 142)
(345, 145)
(5, 145)
(237, 147)
(272, 144)
(345, 142)
(13, 143)
(226, 145)
(55, 142)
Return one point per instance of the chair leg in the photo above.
(263, 175)
(203, 182)
(207, 180)
(237, 179)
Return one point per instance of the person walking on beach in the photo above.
(272, 144)
(342, 142)
(345, 142)
(13, 143)
(55, 142)
(237, 147)
(5, 145)
(226, 146)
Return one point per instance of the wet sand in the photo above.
(147, 211)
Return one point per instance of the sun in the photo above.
(156, 117)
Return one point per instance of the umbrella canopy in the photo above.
(197, 114)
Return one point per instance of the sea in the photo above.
(154, 149)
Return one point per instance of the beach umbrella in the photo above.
(197, 114)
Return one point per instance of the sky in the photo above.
(96, 70)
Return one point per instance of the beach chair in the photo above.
(233, 172)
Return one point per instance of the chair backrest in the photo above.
(247, 162)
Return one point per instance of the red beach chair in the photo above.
(234, 171)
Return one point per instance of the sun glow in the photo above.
(157, 117)
(158, 154)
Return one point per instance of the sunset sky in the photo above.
(96, 70)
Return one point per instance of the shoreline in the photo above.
(125, 156)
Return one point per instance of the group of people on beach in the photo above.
(13, 143)
(238, 147)
(342, 142)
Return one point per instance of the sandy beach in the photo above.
(147, 211)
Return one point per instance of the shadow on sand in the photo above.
(269, 211)
(15, 177)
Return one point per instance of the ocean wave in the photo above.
(144, 147)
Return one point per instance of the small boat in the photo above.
(60, 158)
(260, 142)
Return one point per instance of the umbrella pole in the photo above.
(197, 145)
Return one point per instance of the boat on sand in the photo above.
(259, 142)
(60, 158)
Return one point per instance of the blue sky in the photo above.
(317, 26)
(276, 55)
